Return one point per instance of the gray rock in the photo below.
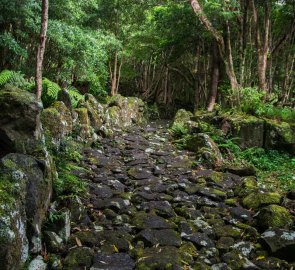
(19, 128)
(199, 239)
(281, 243)
(166, 237)
(118, 261)
(37, 264)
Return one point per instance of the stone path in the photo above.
(148, 209)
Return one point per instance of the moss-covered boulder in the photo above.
(183, 116)
(19, 121)
(95, 111)
(248, 185)
(274, 216)
(156, 258)
(25, 192)
(248, 129)
(207, 151)
(182, 120)
(256, 200)
(79, 258)
(57, 121)
(122, 112)
(280, 135)
(82, 128)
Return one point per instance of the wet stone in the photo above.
(159, 258)
(151, 221)
(163, 208)
(101, 191)
(280, 243)
(199, 240)
(118, 261)
(241, 214)
(162, 237)
(139, 173)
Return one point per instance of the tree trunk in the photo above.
(214, 79)
(41, 48)
(114, 75)
(225, 53)
(262, 47)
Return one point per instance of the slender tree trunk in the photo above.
(114, 75)
(262, 43)
(225, 53)
(214, 79)
(41, 48)
(119, 76)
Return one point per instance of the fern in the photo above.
(50, 92)
(17, 79)
(75, 96)
(5, 76)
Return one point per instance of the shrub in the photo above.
(179, 130)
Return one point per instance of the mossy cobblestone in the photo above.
(149, 210)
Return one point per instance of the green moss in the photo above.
(82, 115)
(216, 177)
(188, 251)
(274, 216)
(227, 231)
(218, 192)
(284, 129)
(7, 193)
(248, 185)
(78, 258)
(231, 202)
(256, 200)
(159, 259)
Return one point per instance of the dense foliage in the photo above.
(158, 50)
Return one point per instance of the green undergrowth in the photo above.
(178, 130)
(260, 104)
(50, 89)
(67, 161)
(276, 169)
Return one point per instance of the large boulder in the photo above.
(57, 121)
(82, 128)
(125, 111)
(25, 192)
(248, 129)
(280, 242)
(19, 121)
(280, 135)
(182, 121)
(207, 150)
(274, 216)
(95, 111)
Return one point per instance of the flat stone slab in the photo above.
(199, 240)
(117, 261)
(162, 237)
(281, 243)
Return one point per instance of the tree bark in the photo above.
(262, 43)
(225, 53)
(214, 79)
(114, 75)
(41, 48)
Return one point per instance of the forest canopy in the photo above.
(186, 53)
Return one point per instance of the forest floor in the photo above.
(148, 209)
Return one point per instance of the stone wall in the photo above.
(26, 168)
(26, 173)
